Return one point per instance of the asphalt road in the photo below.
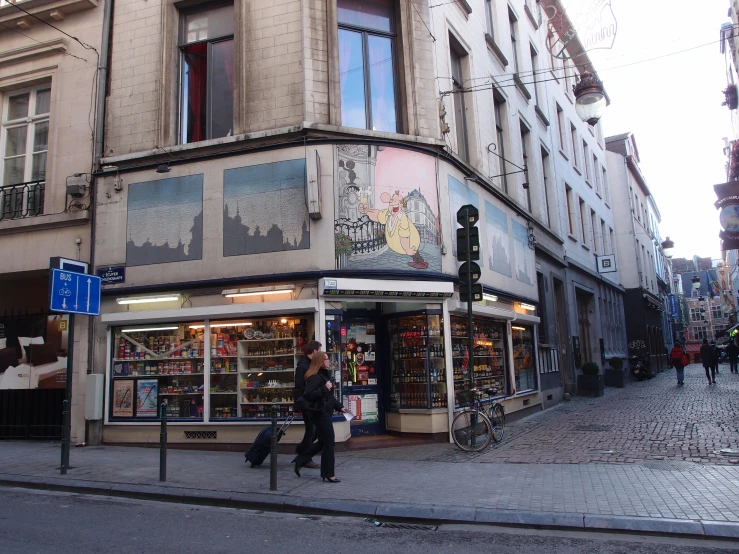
(40, 521)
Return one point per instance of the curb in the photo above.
(715, 530)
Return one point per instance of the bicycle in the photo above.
(473, 429)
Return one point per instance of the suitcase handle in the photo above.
(286, 423)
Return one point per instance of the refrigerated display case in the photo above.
(418, 370)
(489, 356)
(524, 366)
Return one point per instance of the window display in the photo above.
(418, 368)
(155, 367)
(243, 367)
(489, 360)
(524, 367)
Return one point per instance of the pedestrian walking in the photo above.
(716, 355)
(732, 351)
(708, 356)
(679, 359)
(309, 433)
(322, 403)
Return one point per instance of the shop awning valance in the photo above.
(406, 290)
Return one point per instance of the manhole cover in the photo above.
(727, 452)
(594, 428)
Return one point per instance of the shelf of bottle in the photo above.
(157, 375)
(222, 357)
(266, 403)
(286, 355)
(420, 358)
(222, 392)
(478, 378)
(478, 338)
(217, 373)
(266, 340)
(251, 389)
(419, 337)
(477, 356)
(262, 370)
(181, 393)
(180, 359)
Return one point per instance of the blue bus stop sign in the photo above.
(74, 293)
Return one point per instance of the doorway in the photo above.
(584, 301)
(560, 319)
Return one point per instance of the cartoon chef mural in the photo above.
(401, 234)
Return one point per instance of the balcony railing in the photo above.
(22, 200)
(548, 358)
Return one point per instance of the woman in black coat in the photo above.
(322, 402)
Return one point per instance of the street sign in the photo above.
(66, 264)
(74, 293)
(476, 271)
(113, 274)
(476, 293)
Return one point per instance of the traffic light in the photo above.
(468, 250)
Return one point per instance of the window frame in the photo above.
(583, 222)
(546, 178)
(568, 202)
(499, 113)
(513, 21)
(365, 33)
(30, 122)
(181, 45)
(458, 101)
(525, 147)
(573, 139)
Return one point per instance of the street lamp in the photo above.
(696, 282)
(590, 98)
(668, 248)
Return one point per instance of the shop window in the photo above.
(489, 365)
(367, 64)
(418, 369)
(24, 141)
(523, 358)
(245, 368)
(207, 74)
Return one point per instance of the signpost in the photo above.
(468, 249)
(72, 293)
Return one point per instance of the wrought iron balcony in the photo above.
(22, 200)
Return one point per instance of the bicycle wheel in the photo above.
(497, 418)
(471, 430)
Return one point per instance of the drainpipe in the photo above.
(95, 437)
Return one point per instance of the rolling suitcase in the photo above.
(259, 450)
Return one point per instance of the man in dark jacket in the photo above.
(309, 435)
(708, 355)
(716, 355)
(732, 351)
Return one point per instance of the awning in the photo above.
(693, 348)
(407, 290)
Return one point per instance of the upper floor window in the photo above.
(367, 64)
(489, 17)
(207, 68)
(573, 139)
(500, 135)
(460, 109)
(25, 134)
(512, 22)
(525, 149)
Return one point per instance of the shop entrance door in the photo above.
(364, 370)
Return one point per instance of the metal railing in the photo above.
(22, 200)
(548, 358)
(366, 235)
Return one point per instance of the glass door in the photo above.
(361, 373)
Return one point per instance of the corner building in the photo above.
(276, 172)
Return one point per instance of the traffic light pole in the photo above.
(470, 337)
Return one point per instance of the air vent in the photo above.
(201, 434)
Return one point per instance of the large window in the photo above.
(716, 312)
(700, 333)
(525, 148)
(569, 206)
(512, 22)
(524, 366)
(573, 139)
(583, 224)
(500, 135)
(545, 176)
(460, 111)
(24, 143)
(366, 64)
(489, 18)
(206, 46)
(561, 128)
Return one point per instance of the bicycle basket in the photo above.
(465, 398)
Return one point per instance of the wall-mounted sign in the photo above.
(728, 204)
(112, 275)
(584, 27)
(673, 307)
(606, 264)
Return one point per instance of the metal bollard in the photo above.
(163, 445)
(273, 452)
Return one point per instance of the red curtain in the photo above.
(196, 58)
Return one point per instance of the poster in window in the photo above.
(123, 398)
(146, 398)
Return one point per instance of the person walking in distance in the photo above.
(679, 360)
(716, 356)
(322, 403)
(309, 434)
(732, 351)
(708, 356)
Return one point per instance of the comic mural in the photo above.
(387, 210)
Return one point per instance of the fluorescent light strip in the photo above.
(489, 297)
(246, 324)
(264, 293)
(149, 329)
(528, 307)
(515, 328)
(147, 299)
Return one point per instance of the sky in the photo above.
(672, 105)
